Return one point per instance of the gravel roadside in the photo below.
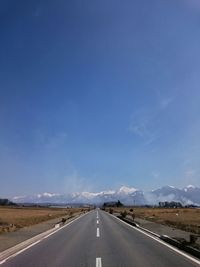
(161, 229)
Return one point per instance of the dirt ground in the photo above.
(187, 219)
(13, 218)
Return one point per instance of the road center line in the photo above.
(98, 232)
(98, 262)
(97, 221)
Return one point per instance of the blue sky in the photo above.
(99, 94)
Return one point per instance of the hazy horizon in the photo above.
(96, 95)
(106, 190)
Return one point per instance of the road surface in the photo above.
(97, 239)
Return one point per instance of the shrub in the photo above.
(63, 220)
(133, 216)
(193, 239)
(123, 214)
(111, 211)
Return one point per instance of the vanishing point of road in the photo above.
(98, 239)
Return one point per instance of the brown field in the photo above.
(187, 219)
(12, 218)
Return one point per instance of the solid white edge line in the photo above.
(20, 251)
(98, 232)
(98, 262)
(33, 244)
(160, 241)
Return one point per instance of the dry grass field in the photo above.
(187, 219)
(12, 218)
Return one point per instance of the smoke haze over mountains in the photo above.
(128, 195)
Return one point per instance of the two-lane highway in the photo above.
(97, 239)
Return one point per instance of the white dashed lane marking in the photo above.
(98, 262)
(98, 232)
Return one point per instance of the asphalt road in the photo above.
(98, 239)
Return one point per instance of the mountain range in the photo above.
(189, 195)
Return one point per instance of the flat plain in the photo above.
(13, 218)
(187, 219)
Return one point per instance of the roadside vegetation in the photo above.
(13, 218)
(187, 219)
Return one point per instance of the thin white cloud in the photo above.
(144, 122)
(155, 174)
(190, 177)
(165, 102)
(139, 129)
(190, 173)
(75, 183)
(141, 125)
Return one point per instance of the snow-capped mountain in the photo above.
(187, 195)
(127, 195)
(127, 190)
